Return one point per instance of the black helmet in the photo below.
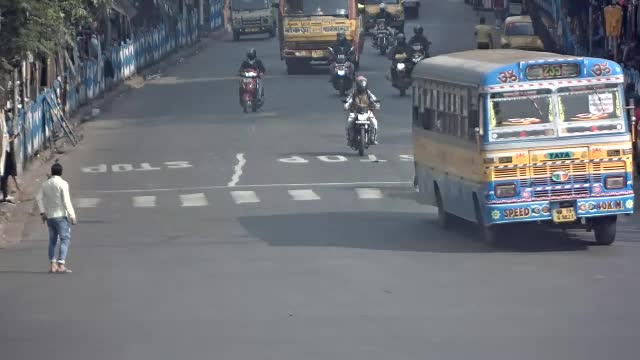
(251, 54)
(340, 36)
(361, 83)
(400, 39)
(418, 30)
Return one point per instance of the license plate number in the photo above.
(564, 215)
(253, 30)
(317, 53)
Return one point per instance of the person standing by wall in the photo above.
(56, 210)
(9, 166)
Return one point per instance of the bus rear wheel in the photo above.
(604, 230)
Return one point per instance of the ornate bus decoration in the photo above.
(602, 69)
(508, 76)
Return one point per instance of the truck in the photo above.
(307, 28)
(394, 7)
(250, 17)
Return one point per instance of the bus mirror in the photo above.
(476, 132)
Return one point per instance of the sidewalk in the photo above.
(13, 217)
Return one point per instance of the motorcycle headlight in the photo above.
(400, 66)
(341, 72)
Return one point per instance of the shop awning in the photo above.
(125, 8)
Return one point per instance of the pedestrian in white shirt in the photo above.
(56, 210)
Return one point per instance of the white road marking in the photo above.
(193, 200)
(369, 193)
(214, 187)
(144, 201)
(244, 197)
(372, 158)
(86, 202)
(303, 195)
(237, 170)
(171, 80)
(294, 160)
(332, 158)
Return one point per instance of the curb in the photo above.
(37, 169)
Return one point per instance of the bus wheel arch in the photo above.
(488, 234)
(444, 218)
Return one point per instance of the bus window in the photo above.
(520, 108)
(521, 114)
(317, 7)
(598, 105)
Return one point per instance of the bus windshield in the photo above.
(250, 4)
(521, 114)
(317, 7)
(588, 109)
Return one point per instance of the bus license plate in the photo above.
(564, 215)
(317, 53)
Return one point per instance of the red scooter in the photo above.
(249, 96)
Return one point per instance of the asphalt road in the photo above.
(318, 256)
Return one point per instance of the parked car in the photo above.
(518, 33)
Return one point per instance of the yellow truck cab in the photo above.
(307, 28)
(394, 7)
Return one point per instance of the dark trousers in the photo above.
(9, 170)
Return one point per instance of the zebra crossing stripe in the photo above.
(86, 202)
(193, 200)
(244, 197)
(369, 193)
(303, 195)
(144, 201)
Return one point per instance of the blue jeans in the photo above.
(59, 228)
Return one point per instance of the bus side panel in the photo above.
(451, 165)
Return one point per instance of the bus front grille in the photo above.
(543, 175)
(569, 193)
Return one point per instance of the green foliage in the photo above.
(40, 26)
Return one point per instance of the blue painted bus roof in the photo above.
(480, 67)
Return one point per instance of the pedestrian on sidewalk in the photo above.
(10, 169)
(483, 35)
(56, 210)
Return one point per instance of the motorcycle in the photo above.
(419, 53)
(382, 37)
(362, 129)
(402, 80)
(342, 78)
(249, 98)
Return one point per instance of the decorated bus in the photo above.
(511, 136)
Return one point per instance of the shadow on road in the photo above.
(393, 232)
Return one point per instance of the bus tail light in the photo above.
(506, 190)
(614, 182)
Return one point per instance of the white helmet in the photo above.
(383, 6)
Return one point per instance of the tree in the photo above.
(42, 26)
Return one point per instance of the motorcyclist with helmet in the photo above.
(419, 38)
(361, 97)
(252, 62)
(401, 47)
(340, 47)
(385, 15)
